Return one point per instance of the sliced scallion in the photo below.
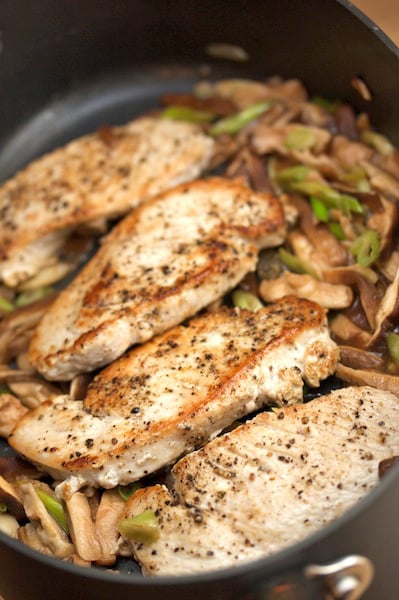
(246, 300)
(300, 138)
(30, 296)
(186, 113)
(125, 491)
(295, 264)
(319, 209)
(54, 508)
(235, 123)
(328, 105)
(5, 305)
(142, 528)
(292, 174)
(393, 345)
(366, 248)
(330, 197)
(336, 229)
(3, 507)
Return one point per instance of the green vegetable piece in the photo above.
(320, 210)
(3, 507)
(186, 113)
(300, 138)
(30, 296)
(54, 508)
(337, 231)
(377, 141)
(350, 204)
(295, 264)
(243, 299)
(4, 389)
(328, 105)
(330, 197)
(5, 305)
(142, 528)
(393, 345)
(366, 248)
(292, 174)
(235, 123)
(125, 491)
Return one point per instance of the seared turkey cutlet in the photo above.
(173, 394)
(269, 483)
(164, 262)
(99, 176)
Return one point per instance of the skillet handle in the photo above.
(347, 578)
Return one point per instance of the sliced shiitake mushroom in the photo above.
(10, 498)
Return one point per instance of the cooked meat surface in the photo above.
(269, 483)
(104, 174)
(165, 261)
(170, 395)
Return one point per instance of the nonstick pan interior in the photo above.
(76, 88)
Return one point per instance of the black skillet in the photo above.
(69, 66)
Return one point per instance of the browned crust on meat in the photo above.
(299, 315)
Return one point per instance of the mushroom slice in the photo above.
(384, 222)
(20, 324)
(11, 411)
(306, 286)
(364, 280)
(109, 514)
(79, 385)
(329, 249)
(348, 153)
(83, 530)
(376, 379)
(345, 330)
(10, 498)
(13, 468)
(9, 525)
(387, 311)
(357, 358)
(46, 530)
(381, 180)
(325, 164)
(31, 390)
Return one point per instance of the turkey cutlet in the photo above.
(269, 483)
(96, 177)
(164, 262)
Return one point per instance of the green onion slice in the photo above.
(320, 210)
(366, 248)
(246, 300)
(142, 528)
(186, 113)
(5, 305)
(300, 138)
(295, 264)
(30, 296)
(235, 123)
(393, 345)
(293, 174)
(328, 105)
(3, 507)
(336, 229)
(125, 491)
(54, 508)
(330, 197)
